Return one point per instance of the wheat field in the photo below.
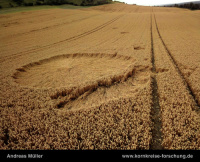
(113, 76)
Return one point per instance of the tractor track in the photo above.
(56, 25)
(65, 40)
(155, 112)
(174, 62)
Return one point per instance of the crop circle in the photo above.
(71, 70)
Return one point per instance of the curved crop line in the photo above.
(66, 95)
(27, 67)
(72, 93)
(69, 95)
(100, 55)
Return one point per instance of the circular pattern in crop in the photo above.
(71, 70)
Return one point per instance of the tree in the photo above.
(19, 2)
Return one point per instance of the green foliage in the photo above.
(19, 2)
(15, 3)
(94, 2)
(191, 6)
(7, 3)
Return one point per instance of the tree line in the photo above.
(60, 2)
(191, 6)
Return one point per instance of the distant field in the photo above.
(113, 76)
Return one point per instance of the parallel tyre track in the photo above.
(174, 62)
(56, 25)
(65, 40)
(156, 143)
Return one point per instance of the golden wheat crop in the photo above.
(100, 78)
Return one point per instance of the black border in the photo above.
(102, 155)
